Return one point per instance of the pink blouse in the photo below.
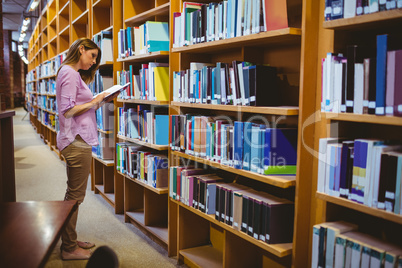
(70, 91)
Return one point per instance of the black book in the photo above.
(390, 185)
(244, 217)
(204, 23)
(264, 91)
(384, 169)
(372, 86)
(217, 202)
(346, 168)
(351, 55)
(236, 82)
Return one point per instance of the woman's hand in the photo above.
(80, 109)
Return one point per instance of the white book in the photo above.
(359, 88)
(338, 71)
(324, 84)
(349, 10)
(240, 17)
(322, 162)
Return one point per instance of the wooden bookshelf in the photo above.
(335, 36)
(278, 181)
(263, 39)
(242, 109)
(146, 57)
(360, 207)
(144, 184)
(144, 16)
(143, 143)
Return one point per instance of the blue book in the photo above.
(229, 18)
(255, 148)
(208, 142)
(157, 36)
(283, 152)
(381, 73)
(267, 148)
(238, 144)
(338, 153)
(131, 82)
(161, 125)
(129, 41)
(261, 149)
(246, 145)
(332, 169)
(211, 198)
(213, 99)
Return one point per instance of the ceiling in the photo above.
(13, 11)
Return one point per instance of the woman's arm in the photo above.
(82, 108)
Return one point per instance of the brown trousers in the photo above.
(78, 157)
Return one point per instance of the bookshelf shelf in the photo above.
(276, 37)
(279, 250)
(81, 19)
(160, 232)
(145, 185)
(65, 30)
(364, 118)
(107, 163)
(102, 3)
(146, 144)
(244, 109)
(278, 181)
(146, 57)
(106, 64)
(378, 19)
(64, 9)
(204, 256)
(360, 207)
(144, 101)
(149, 14)
(109, 197)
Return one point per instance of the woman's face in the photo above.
(88, 58)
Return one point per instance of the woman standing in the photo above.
(78, 132)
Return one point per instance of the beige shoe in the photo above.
(78, 254)
(85, 245)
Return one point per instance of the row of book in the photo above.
(148, 124)
(151, 82)
(367, 171)
(152, 36)
(243, 145)
(235, 83)
(339, 9)
(143, 165)
(47, 86)
(48, 119)
(363, 85)
(103, 80)
(31, 76)
(104, 40)
(200, 22)
(48, 68)
(340, 244)
(48, 104)
(258, 214)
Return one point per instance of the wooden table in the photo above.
(7, 171)
(30, 230)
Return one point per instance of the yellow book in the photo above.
(161, 78)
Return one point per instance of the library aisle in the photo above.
(40, 175)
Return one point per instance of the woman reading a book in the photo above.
(78, 132)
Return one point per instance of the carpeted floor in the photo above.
(40, 175)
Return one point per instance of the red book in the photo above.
(275, 14)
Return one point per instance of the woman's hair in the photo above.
(73, 56)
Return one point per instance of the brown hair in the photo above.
(73, 56)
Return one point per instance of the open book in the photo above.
(113, 92)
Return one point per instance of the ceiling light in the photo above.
(33, 5)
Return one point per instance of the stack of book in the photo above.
(358, 83)
(104, 40)
(200, 22)
(141, 122)
(339, 244)
(237, 83)
(243, 145)
(343, 9)
(152, 36)
(143, 165)
(258, 214)
(367, 171)
(150, 83)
